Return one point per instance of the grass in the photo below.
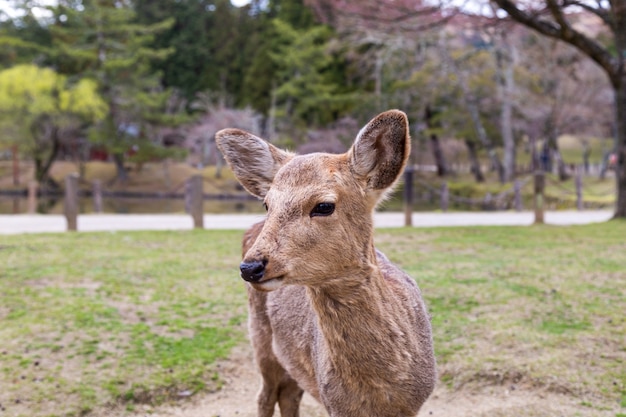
(95, 319)
(540, 306)
(92, 320)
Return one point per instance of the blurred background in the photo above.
(129, 95)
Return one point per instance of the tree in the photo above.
(263, 43)
(210, 42)
(23, 39)
(568, 94)
(100, 38)
(556, 19)
(504, 53)
(37, 105)
(306, 91)
(471, 103)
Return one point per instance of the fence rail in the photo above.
(509, 198)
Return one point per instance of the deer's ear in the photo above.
(253, 160)
(381, 149)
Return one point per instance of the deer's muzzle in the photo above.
(253, 271)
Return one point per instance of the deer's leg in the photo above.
(268, 395)
(289, 397)
(266, 401)
(277, 385)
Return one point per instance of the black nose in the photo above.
(252, 271)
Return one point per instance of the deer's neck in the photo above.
(371, 344)
(365, 349)
(359, 322)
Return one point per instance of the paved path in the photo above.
(19, 223)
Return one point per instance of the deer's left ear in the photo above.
(253, 160)
(381, 150)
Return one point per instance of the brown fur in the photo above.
(331, 315)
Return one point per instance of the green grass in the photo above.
(95, 319)
(542, 306)
(90, 320)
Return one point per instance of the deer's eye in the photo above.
(265, 206)
(323, 209)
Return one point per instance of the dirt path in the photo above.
(241, 382)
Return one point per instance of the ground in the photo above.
(241, 383)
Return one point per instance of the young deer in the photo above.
(329, 314)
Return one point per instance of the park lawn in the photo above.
(95, 320)
(90, 319)
(540, 307)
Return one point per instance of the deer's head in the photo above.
(319, 206)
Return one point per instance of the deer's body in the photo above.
(328, 313)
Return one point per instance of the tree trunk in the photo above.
(470, 103)
(553, 144)
(122, 175)
(560, 166)
(619, 85)
(440, 160)
(44, 163)
(474, 162)
(620, 147)
(219, 164)
(482, 136)
(16, 165)
(506, 86)
(613, 62)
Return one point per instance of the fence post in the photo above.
(32, 197)
(445, 196)
(408, 196)
(517, 187)
(194, 200)
(539, 196)
(579, 189)
(97, 196)
(71, 201)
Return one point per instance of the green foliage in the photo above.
(147, 151)
(193, 65)
(32, 97)
(103, 40)
(83, 100)
(307, 90)
(32, 91)
(24, 39)
(441, 90)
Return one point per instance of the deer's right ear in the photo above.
(253, 160)
(381, 150)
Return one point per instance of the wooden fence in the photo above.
(510, 198)
(194, 199)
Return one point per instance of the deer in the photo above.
(329, 314)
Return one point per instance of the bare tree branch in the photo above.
(561, 29)
(599, 11)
